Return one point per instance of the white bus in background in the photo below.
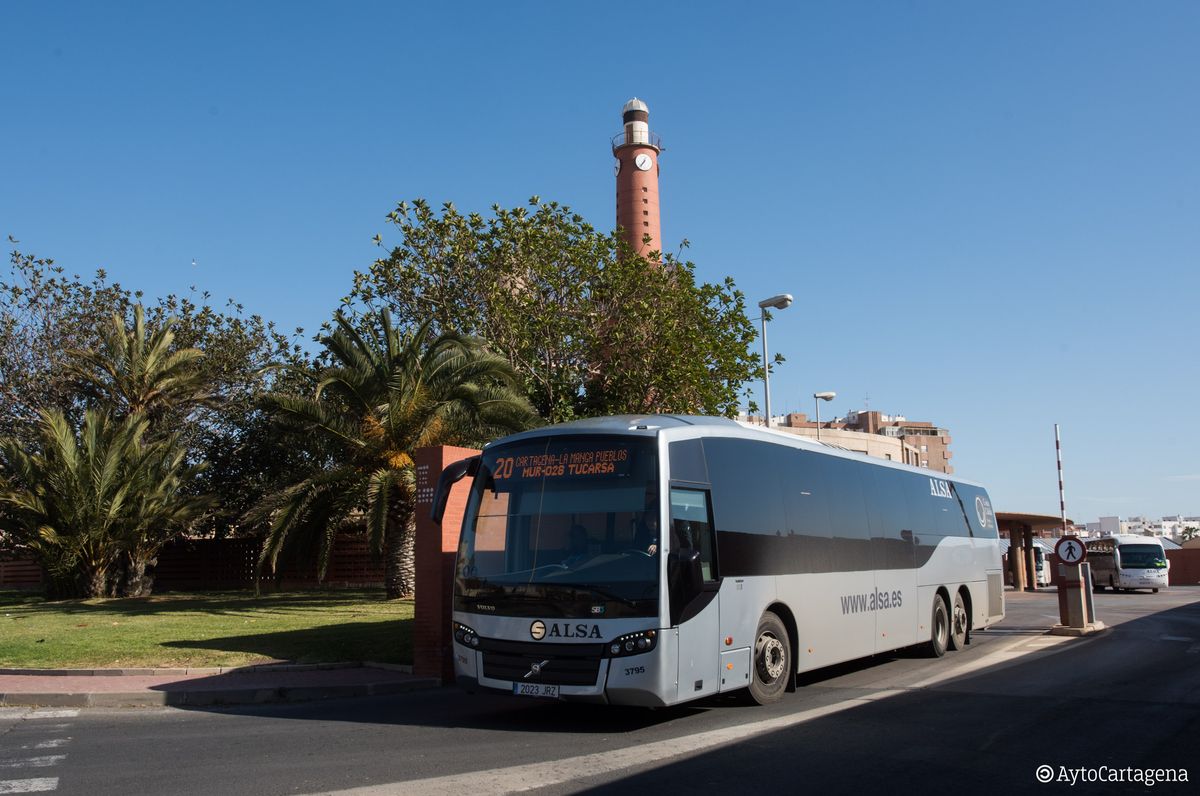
(1127, 561)
(1041, 563)
(781, 555)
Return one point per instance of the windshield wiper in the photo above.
(608, 595)
(557, 592)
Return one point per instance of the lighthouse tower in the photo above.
(636, 150)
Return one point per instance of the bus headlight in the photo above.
(633, 643)
(465, 635)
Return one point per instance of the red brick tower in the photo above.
(636, 150)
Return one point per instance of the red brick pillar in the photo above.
(434, 549)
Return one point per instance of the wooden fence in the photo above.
(218, 564)
(21, 573)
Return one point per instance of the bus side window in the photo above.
(691, 528)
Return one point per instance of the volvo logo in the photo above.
(538, 630)
(536, 669)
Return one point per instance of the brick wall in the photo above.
(1185, 566)
(435, 549)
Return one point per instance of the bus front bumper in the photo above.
(627, 680)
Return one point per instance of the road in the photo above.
(982, 719)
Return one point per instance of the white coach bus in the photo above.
(1127, 561)
(781, 555)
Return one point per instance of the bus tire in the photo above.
(960, 623)
(1154, 591)
(772, 665)
(939, 629)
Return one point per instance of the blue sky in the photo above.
(989, 214)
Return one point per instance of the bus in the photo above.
(1041, 565)
(1127, 561)
(653, 560)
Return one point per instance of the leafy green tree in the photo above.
(245, 358)
(591, 327)
(46, 314)
(385, 394)
(79, 501)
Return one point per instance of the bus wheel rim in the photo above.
(771, 657)
(960, 619)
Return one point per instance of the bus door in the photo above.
(693, 586)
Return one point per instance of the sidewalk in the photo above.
(212, 686)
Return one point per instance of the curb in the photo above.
(210, 670)
(230, 696)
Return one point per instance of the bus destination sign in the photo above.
(567, 463)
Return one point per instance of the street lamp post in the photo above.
(780, 302)
(817, 398)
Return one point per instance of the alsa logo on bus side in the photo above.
(940, 489)
(983, 510)
(540, 630)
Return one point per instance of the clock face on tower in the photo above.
(643, 162)
(616, 166)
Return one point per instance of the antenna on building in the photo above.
(867, 403)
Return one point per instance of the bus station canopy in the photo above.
(1007, 520)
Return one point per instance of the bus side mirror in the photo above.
(450, 476)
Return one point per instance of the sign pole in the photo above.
(1062, 496)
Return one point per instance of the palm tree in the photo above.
(386, 395)
(79, 503)
(164, 503)
(132, 372)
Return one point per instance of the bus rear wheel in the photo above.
(939, 625)
(960, 623)
(772, 660)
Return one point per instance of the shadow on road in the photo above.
(991, 728)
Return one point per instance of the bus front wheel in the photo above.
(772, 660)
(939, 625)
(959, 624)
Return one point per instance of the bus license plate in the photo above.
(535, 690)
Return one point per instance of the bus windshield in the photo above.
(563, 525)
(1142, 556)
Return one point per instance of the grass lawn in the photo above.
(207, 629)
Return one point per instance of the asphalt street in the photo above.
(982, 719)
